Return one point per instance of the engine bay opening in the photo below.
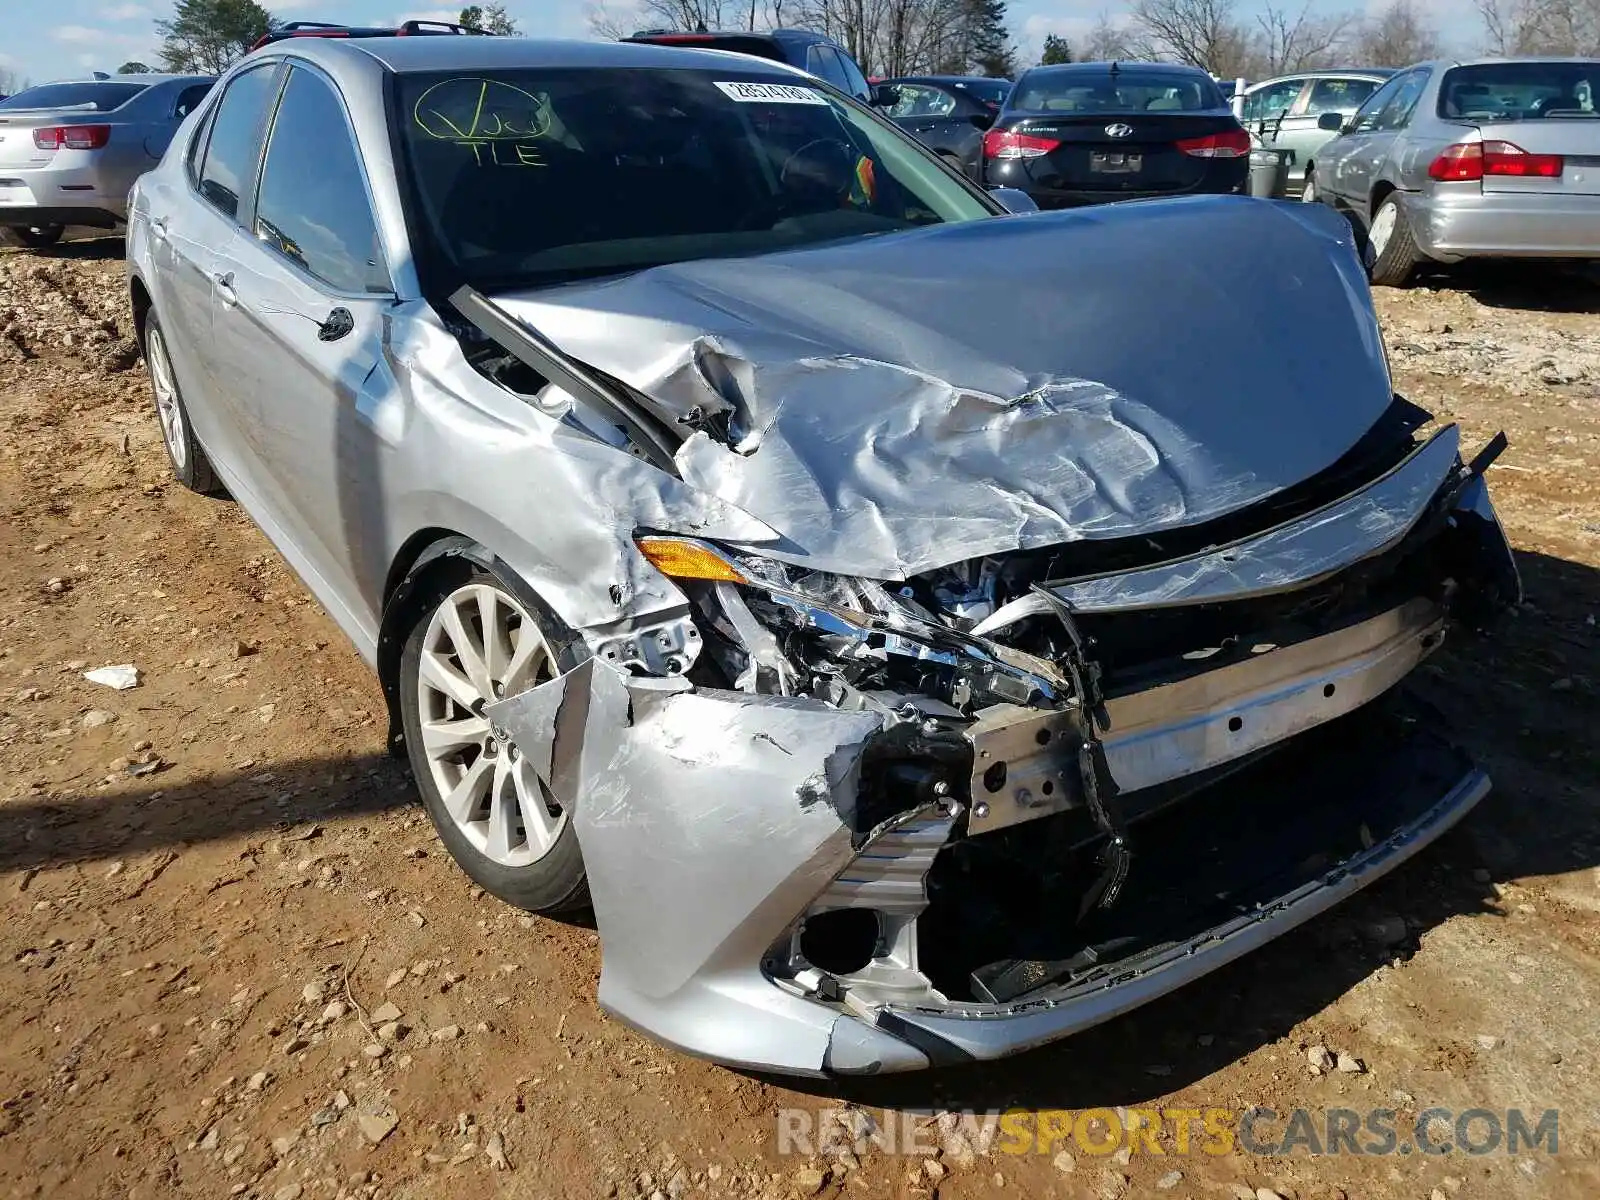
(1003, 908)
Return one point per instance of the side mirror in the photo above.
(1013, 200)
(885, 95)
(1331, 122)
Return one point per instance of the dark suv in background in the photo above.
(812, 52)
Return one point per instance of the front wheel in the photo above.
(1308, 193)
(479, 637)
(1395, 256)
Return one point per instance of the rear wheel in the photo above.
(479, 637)
(37, 237)
(1395, 256)
(190, 465)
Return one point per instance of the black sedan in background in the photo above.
(1086, 133)
(948, 113)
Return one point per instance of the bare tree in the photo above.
(1202, 33)
(687, 14)
(1397, 36)
(1541, 26)
(1287, 42)
(11, 82)
(1106, 42)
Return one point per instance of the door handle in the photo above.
(224, 285)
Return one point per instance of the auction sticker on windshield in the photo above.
(771, 93)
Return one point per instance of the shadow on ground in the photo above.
(1526, 701)
(1523, 286)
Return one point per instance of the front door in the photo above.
(300, 308)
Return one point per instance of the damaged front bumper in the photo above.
(714, 823)
(847, 878)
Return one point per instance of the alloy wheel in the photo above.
(482, 645)
(1382, 228)
(165, 387)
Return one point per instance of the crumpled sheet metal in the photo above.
(557, 505)
(709, 820)
(893, 404)
(1356, 527)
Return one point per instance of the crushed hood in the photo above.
(901, 402)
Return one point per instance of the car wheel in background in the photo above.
(36, 237)
(478, 637)
(1395, 256)
(189, 462)
(1308, 193)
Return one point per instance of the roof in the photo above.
(1328, 73)
(1101, 68)
(950, 79)
(403, 54)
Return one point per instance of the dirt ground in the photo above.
(213, 884)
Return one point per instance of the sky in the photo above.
(55, 39)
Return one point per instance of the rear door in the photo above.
(1299, 133)
(300, 320)
(188, 227)
(938, 117)
(1363, 151)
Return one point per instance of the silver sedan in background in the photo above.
(70, 151)
(1498, 158)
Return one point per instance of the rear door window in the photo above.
(1273, 101)
(822, 62)
(313, 206)
(1338, 95)
(1397, 113)
(234, 144)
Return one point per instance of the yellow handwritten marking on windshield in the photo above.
(469, 109)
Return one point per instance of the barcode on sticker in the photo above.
(771, 93)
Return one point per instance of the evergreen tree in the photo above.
(207, 36)
(989, 49)
(1056, 50)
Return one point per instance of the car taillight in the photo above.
(1003, 143)
(1231, 143)
(71, 137)
(1467, 162)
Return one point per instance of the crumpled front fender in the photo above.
(708, 820)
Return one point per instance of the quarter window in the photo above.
(189, 99)
(235, 139)
(313, 206)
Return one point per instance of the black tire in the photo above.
(37, 237)
(190, 466)
(554, 882)
(1400, 257)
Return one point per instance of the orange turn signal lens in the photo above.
(681, 558)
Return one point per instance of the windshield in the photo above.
(98, 97)
(1526, 91)
(1127, 91)
(529, 177)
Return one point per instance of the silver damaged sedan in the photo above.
(919, 631)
